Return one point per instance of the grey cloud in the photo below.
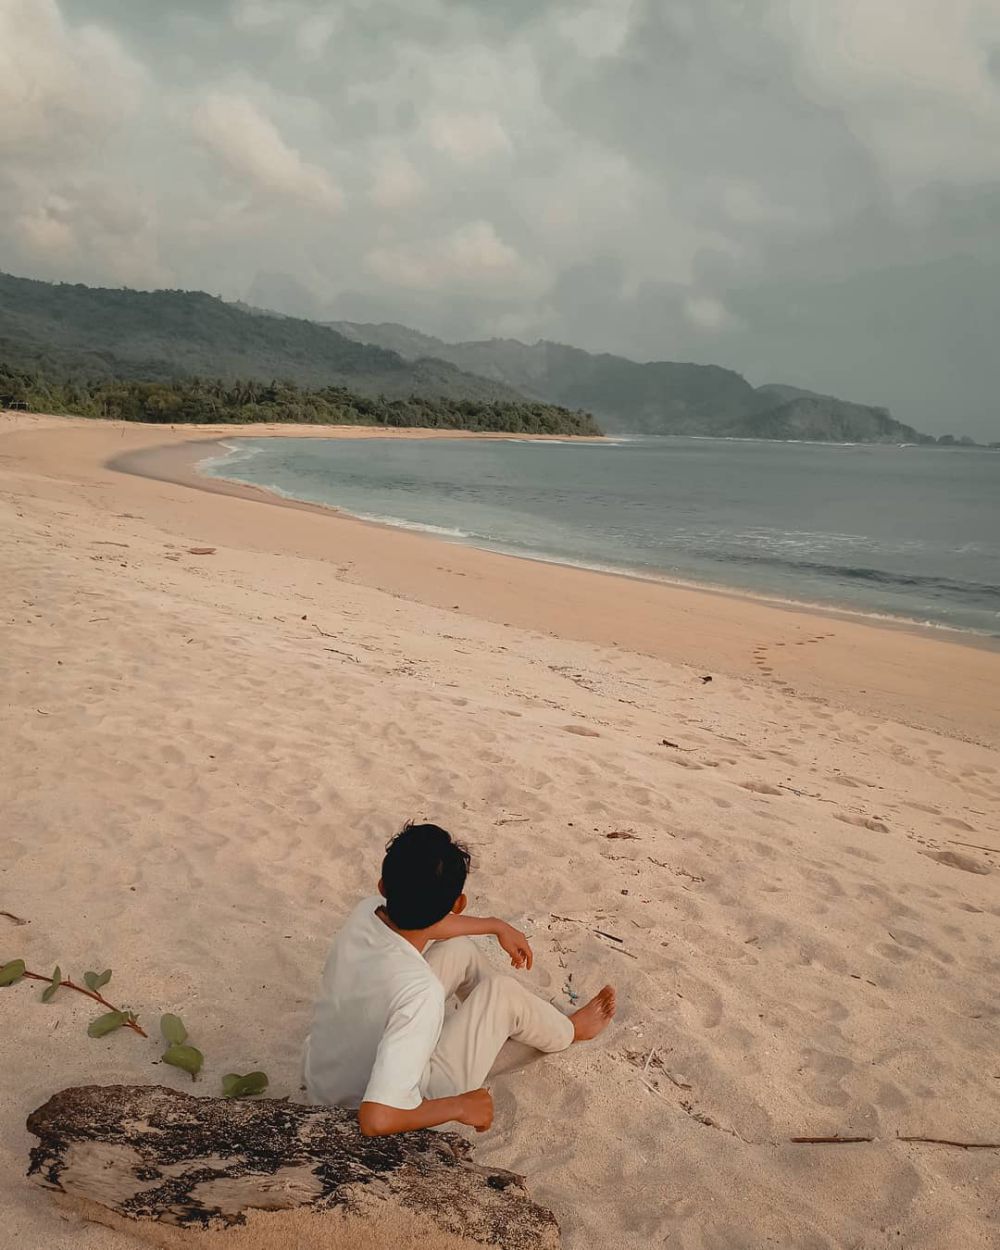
(803, 191)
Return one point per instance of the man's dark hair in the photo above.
(423, 874)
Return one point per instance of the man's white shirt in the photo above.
(377, 1020)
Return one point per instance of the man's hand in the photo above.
(511, 940)
(515, 944)
(477, 1109)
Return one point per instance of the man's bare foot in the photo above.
(595, 1017)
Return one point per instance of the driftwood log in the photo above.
(160, 1158)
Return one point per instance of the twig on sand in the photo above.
(9, 915)
(323, 632)
(837, 1140)
(653, 1090)
(346, 654)
(622, 951)
(601, 933)
(649, 1060)
(510, 820)
(676, 746)
(129, 1023)
(804, 794)
(975, 846)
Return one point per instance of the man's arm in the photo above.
(475, 1108)
(511, 940)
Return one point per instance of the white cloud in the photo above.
(705, 312)
(68, 96)
(259, 14)
(313, 34)
(252, 148)
(913, 79)
(597, 29)
(471, 257)
(467, 136)
(395, 181)
(58, 86)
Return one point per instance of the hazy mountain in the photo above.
(97, 332)
(660, 397)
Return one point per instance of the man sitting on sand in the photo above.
(382, 1039)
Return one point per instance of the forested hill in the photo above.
(656, 397)
(204, 401)
(64, 330)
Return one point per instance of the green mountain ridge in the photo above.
(658, 397)
(71, 332)
(164, 335)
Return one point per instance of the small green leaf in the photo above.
(173, 1030)
(96, 980)
(49, 992)
(104, 978)
(107, 1023)
(11, 972)
(188, 1058)
(236, 1086)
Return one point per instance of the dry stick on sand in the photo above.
(975, 846)
(71, 985)
(936, 1141)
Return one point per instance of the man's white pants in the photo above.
(493, 1008)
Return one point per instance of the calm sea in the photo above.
(898, 531)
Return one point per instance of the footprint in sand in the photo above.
(952, 859)
(864, 822)
(760, 787)
(923, 807)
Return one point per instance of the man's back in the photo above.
(379, 1008)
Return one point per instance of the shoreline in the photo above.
(191, 474)
(918, 675)
(179, 464)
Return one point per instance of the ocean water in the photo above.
(904, 532)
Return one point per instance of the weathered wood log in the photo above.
(158, 1157)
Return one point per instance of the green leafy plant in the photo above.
(236, 1086)
(50, 990)
(178, 1054)
(14, 971)
(108, 1023)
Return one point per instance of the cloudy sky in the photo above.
(805, 190)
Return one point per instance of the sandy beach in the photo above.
(798, 862)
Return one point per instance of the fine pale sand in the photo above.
(786, 871)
